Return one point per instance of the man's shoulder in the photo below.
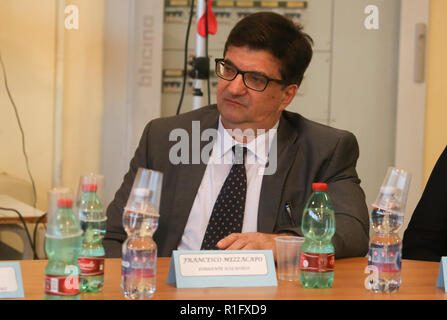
(309, 129)
(320, 142)
(209, 112)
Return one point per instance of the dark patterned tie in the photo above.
(228, 211)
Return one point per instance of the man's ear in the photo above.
(288, 95)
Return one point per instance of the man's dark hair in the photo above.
(278, 35)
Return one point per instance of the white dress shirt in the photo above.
(217, 170)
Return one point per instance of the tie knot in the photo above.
(240, 152)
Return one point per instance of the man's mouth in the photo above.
(234, 102)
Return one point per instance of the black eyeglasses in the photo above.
(252, 80)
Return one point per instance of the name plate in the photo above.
(441, 282)
(222, 268)
(11, 285)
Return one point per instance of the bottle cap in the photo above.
(319, 186)
(394, 191)
(88, 179)
(63, 223)
(89, 187)
(54, 195)
(64, 203)
(146, 191)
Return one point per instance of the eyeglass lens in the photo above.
(252, 80)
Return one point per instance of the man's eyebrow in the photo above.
(256, 72)
(230, 62)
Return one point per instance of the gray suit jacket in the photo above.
(307, 152)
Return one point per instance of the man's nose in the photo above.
(237, 86)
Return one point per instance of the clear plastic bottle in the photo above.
(317, 253)
(139, 255)
(140, 220)
(62, 246)
(387, 217)
(385, 250)
(93, 223)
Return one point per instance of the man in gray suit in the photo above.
(265, 57)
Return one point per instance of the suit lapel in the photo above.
(272, 185)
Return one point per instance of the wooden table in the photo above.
(418, 282)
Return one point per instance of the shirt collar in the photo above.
(258, 148)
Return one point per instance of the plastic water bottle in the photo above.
(139, 256)
(317, 253)
(62, 246)
(93, 223)
(385, 250)
(387, 217)
(139, 251)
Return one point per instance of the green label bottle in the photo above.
(62, 245)
(93, 222)
(317, 253)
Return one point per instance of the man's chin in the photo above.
(230, 120)
(231, 114)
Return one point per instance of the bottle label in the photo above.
(386, 259)
(138, 267)
(62, 285)
(91, 266)
(317, 262)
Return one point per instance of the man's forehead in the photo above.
(248, 59)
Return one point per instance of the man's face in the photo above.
(243, 108)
